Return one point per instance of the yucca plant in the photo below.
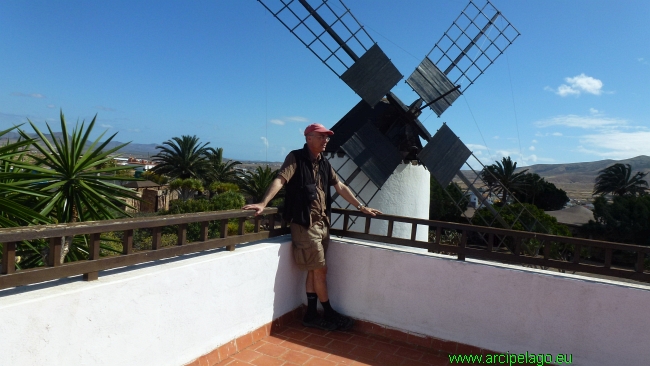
(65, 174)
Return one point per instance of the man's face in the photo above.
(317, 141)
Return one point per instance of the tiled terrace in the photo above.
(290, 343)
(297, 345)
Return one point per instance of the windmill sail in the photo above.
(472, 43)
(330, 31)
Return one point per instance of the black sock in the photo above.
(328, 308)
(312, 301)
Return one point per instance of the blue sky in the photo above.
(575, 86)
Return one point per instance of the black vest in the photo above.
(297, 202)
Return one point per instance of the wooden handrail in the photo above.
(462, 250)
(10, 277)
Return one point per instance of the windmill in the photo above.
(377, 146)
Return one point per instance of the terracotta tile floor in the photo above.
(294, 344)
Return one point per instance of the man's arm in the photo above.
(273, 189)
(345, 192)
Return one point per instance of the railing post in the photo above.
(490, 243)
(608, 257)
(576, 254)
(367, 228)
(547, 249)
(8, 258)
(640, 256)
(414, 230)
(93, 254)
(224, 234)
(156, 238)
(242, 222)
(127, 242)
(182, 234)
(461, 246)
(390, 228)
(346, 221)
(257, 224)
(518, 242)
(205, 226)
(54, 255)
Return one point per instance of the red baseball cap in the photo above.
(317, 127)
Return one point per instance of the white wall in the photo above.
(405, 193)
(166, 314)
(500, 308)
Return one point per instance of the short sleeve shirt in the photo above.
(318, 206)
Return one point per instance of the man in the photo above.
(308, 175)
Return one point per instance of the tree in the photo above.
(618, 180)
(65, 175)
(221, 171)
(442, 207)
(187, 188)
(626, 219)
(255, 183)
(502, 178)
(539, 192)
(527, 217)
(182, 157)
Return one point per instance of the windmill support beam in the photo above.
(329, 30)
(483, 201)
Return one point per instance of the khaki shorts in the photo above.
(310, 245)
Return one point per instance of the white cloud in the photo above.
(265, 141)
(616, 144)
(534, 141)
(50, 105)
(642, 60)
(586, 122)
(594, 111)
(556, 134)
(32, 95)
(531, 148)
(474, 147)
(297, 119)
(577, 85)
(106, 126)
(282, 121)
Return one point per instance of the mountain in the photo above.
(584, 172)
(577, 179)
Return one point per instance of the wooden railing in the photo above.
(471, 241)
(9, 237)
(483, 243)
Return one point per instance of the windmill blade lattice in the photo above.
(330, 31)
(472, 43)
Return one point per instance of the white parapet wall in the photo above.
(496, 307)
(162, 314)
(405, 193)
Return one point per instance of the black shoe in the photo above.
(320, 323)
(342, 322)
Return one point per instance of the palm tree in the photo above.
(257, 182)
(502, 178)
(182, 158)
(221, 171)
(618, 179)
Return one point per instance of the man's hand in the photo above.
(370, 211)
(258, 207)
